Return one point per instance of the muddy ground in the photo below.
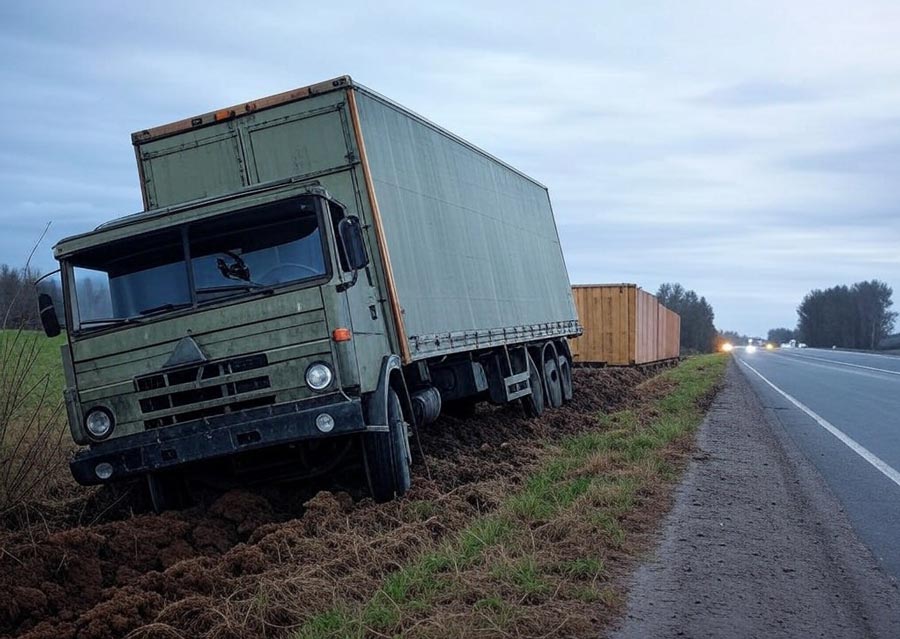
(255, 563)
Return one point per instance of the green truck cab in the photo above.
(315, 273)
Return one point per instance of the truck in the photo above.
(315, 274)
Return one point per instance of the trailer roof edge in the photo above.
(437, 127)
(221, 115)
(295, 95)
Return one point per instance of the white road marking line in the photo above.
(839, 363)
(857, 448)
(826, 350)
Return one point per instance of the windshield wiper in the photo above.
(113, 320)
(136, 318)
(249, 286)
(163, 307)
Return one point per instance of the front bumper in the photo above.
(214, 437)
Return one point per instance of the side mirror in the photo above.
(351, 235)
(49, 319)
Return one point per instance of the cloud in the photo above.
(880, 159)
(740, 148)
(759, 94)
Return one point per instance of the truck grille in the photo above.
(187, 399)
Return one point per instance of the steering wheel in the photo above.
(275, 276)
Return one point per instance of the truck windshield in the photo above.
(192, 265)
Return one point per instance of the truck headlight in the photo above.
(103, 470)
(99, 422)
(318, 376)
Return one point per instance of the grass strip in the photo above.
(540, 563)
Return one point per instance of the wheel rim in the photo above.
(552, 376)
(534, 403)
(403, 456)
(565, 371)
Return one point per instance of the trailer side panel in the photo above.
(473, 244)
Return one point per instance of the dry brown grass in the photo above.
(550, 560)
(33, 436)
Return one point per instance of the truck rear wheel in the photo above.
(387, 455)
(552, 376)
(565, 370)
(533, 404)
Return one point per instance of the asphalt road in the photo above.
(842, 410)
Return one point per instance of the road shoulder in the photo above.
(756, 544)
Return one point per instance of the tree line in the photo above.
(18, 307)
(856, 316)
(698, 331)
(782, 335)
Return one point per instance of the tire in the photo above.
(166, 492)
(533, 404)
(552, 376)
(565, 371)
(387, 455)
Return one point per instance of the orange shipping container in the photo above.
(623, 325)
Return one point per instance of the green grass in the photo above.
(31, 357)
(499, 546)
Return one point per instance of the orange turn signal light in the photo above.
(341, 335)
(224, 114)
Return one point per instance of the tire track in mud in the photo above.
(254, 563)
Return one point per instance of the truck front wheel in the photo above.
(167, 491)
(387, 456)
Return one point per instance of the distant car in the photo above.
(801, 345)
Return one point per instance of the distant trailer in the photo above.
(623, 326)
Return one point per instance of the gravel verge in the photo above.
(756, 545)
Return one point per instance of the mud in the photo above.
(257, 563)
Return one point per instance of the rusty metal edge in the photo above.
(393, 297)
(166, 130)
(145, 197)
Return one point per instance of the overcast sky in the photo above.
(749, 150)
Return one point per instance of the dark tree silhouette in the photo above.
(857, 316)
(698, 331)
(781, 335)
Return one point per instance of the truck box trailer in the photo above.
(314, 264)
(623, 326)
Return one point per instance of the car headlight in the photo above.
(319, 376)
(99, 422)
